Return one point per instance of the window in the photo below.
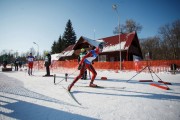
(102, 58)
(111, 59)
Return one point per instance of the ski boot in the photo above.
(29, 72)
(92, 85)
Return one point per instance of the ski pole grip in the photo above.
(66, 77)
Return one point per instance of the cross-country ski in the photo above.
(72, 96)
(103, 87)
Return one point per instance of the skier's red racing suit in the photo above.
(84, 64)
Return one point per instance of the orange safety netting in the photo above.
(155, 65)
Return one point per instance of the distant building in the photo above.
(130, 48)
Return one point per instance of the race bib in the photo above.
(30, 59)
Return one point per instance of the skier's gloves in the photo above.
(79, 67)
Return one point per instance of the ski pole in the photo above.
(54, 78)
(89, 75)
(64, 78)
(25, 71)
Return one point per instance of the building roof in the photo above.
(93, 42)
(67, 52)
(111, 43)
(55, 56)
(84, 40)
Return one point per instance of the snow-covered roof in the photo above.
(67, 53)
(115, 47)
(55, 56)
(93, 42)
(62, 54)
(112, 42)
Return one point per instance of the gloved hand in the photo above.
(79, 67)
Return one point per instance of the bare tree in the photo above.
(166, 45)
(128, 27)
(170, 37)
(152, 45)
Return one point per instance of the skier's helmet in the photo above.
(82, 49)
(46, 53)
(99, 48)
(101, 45)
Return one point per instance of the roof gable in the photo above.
(112, 43)
(129, 39)
(70, 47)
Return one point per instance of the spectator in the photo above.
(47, 63)
(81, 55)
(30, 60)
(16, 64)
(5, 59)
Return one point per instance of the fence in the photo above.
(155, 65)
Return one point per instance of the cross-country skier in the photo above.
(85, 63)
(30, 60)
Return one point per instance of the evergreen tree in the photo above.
(60, 45)
(53, 48)
(69, 36)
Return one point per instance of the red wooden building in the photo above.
(127, 43)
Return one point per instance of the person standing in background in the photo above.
(81, 55)
(47, 63)
(20, 65)
(30, 60)
(16, 64)
(5, 60)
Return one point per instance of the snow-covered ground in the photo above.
(35, 97)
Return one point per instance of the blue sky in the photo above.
(23, 22)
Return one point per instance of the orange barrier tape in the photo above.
(162, 87)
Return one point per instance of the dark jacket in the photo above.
(16, 62)
(47, 60)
